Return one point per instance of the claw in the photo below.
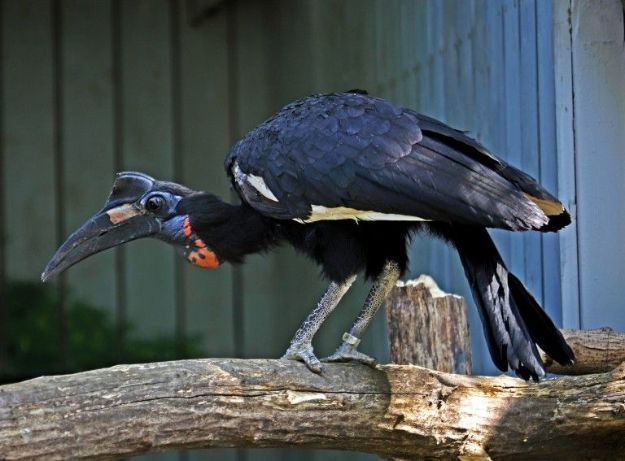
(348, 353)
(303, 352)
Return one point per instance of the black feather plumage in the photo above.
(356, 151)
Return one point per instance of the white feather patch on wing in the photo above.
(256, 182)
(322, 213)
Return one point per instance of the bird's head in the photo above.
(138, 206)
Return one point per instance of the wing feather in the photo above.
(356, 151)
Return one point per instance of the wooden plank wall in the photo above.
(30, 151)
(90, 88)
(590, 72)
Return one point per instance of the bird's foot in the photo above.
(303, 352)
(347, 352)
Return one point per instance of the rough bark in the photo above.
(596, 351)
(418, 316)
(396, 411)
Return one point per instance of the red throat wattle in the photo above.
(196, 251)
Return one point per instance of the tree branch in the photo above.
(395, 411)
(596, 351)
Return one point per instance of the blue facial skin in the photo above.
(162, 205)
(172, 231)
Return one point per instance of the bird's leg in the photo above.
(382, 286)
(301, 345)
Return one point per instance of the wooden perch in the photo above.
(398, 411)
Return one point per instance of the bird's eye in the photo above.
(154, 203)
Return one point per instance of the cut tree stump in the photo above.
(428, 327)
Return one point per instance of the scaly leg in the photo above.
(382, 286)
(301, 345)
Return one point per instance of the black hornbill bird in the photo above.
(346, 178)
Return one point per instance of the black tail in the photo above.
(513, 320)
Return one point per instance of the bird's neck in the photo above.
(231, 231)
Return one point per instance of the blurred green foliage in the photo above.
(39, 341)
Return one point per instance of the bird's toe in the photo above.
(303, 352)
(347, 353)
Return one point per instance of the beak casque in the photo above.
(120, 221)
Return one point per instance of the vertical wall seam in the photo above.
(566, 163)
(4, 306)
(233, 124)
(574, 128)
(522, 127)
(57, 76)
(177, 165)
(505, 246)
(118, 139)
(539, 135)
(238, 330)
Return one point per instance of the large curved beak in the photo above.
(104, 230)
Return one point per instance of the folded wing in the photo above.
(353, 156)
